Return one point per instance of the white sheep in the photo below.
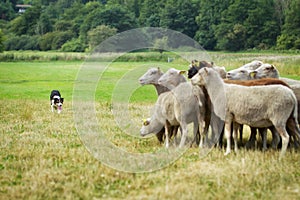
(252, 65)
(172, 78)
(265, 71)
(151, 78)
(257, 106)
(171, 110)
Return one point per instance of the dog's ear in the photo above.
(61, 100)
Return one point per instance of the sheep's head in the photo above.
(172, 78)
(199, 79)
(151, 76)
(195, 66)
(266, 71)
(239, 74)
(145, 129)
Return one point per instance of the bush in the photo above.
(74, 45)
(54, 40)
(285, 41)
(23, 42)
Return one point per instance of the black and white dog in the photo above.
(56, 101)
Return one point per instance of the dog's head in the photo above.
(58, 102)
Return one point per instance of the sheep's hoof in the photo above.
(226, 153)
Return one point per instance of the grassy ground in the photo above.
(42, 156)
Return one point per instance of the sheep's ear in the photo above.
(206, 71)
(182, 72)
(272, 66)
(252, 74)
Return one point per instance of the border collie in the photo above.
(56, 101)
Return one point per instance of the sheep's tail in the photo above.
(295, 111)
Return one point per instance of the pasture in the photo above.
(43, 157)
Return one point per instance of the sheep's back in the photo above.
(249, 105)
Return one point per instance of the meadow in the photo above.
(42, 155)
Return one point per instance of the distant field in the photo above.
(42, 156)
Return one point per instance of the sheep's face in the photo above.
(151, 76)
(145, 130)
(170, 78)
(266, 71)
(238, 74)
(198, 78)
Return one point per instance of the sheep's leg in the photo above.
(251, 142)
(184, 135)
(275, 137)
(294, 130)
(167, 129)
(263, 134)
(284, 137)
(241, 133)
(197, 134)
(236, 126)
(175, 131)
(228, 137)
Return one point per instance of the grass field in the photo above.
(43, 157)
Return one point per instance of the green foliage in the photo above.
(74, 45)
(99, 34)
(2, 39)
(6, 10)
(179, 15)
(161, 44)
(291, 32)
(25, 24)
(216, 24)
(54, 40)
(23, 42)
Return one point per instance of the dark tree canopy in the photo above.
(216, 24)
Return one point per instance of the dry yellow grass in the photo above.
(42, 157)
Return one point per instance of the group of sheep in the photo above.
(252, 95)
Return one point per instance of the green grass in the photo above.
(42, 156)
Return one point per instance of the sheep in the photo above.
(243, 72)
(252, 65)
(159, 120)
(264, 71)
(171, 110)
(151, 78)
(174, 78)
(263, 131)
(257, 106)
(210, 118)
(195, 66)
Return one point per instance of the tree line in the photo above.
(79, 25)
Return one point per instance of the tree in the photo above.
(25, 24)
(6, 10)
(263, 25)
(149, 13)
(289, 38)
(208, 18)
(99, 34)
(180, 15)
(2, 39)
(161, 44)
